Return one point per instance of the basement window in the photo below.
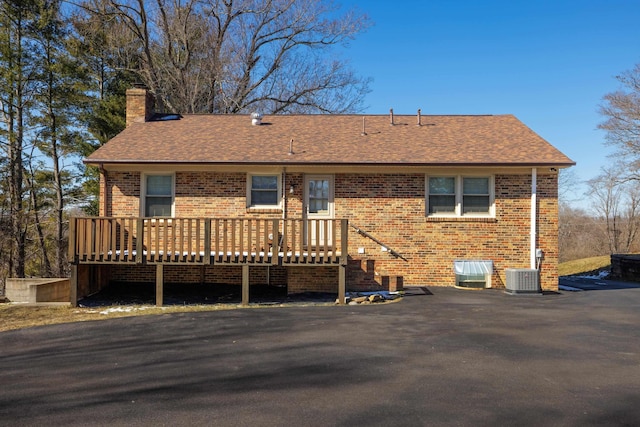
(473, 273)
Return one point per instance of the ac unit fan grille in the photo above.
(522, 280)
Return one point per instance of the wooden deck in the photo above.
(208, 241)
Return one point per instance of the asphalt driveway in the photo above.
(440, 356)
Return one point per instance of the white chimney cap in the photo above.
(256, 119)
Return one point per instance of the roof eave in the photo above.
(564, 164)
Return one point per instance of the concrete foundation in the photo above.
(37, 290)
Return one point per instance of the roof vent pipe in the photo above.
(256, 119)
(419, 117)
(391, 116)
(291, 147)
(364, 126)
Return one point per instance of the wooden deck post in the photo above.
(139, 240)
(207, 243)
(159, 285)
(245, 284)
(73, 286)
(344, 258)
(275, 242)
(342, 270)
(72, 240)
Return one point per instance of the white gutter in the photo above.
(534, 178)
(284, 194)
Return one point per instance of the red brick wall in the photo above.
(312, 279)
(219, 274)
(197, 194)
(122, 192)
(210, 194)
(391, 207)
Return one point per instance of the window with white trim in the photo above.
(263, 191)
(460, 196)
(476, 198)
(158, 195)
(442, 195)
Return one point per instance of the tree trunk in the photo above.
(16, 183)
(46, 265)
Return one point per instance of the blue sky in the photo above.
(547, 62)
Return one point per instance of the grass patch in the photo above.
(584, 265)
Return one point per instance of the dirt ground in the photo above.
(126, 299)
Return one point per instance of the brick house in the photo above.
(318, 202)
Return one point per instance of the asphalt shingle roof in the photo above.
(332, 139)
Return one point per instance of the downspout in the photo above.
(534, 179)
(105, 204)
(284, 195)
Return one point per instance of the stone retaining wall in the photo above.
(625, 267)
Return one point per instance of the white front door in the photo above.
(318, 205)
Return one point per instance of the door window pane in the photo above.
(319, 196)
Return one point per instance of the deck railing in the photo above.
(120, 240)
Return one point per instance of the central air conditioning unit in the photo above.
(523, 281)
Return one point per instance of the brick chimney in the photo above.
(139, 105)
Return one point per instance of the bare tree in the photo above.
(580, 234)
(631, 216)
(232, 56)
(616, 190)
(606, 192)
(622, 125)
(617, 204)
(568, 184)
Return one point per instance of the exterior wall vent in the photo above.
(522, 281)
(256, 119)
